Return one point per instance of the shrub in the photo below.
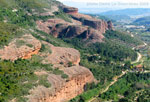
(57, 71)
(29, 45)
(64, 76)
(70, 64)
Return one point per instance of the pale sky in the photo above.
(105, 5)
(106, 0)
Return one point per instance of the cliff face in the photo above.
(96, 24)
(23, 47)
(85, 26)
(63, 90)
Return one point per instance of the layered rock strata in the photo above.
(63, 90)
(23, 47)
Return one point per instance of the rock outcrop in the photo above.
(69, 30)
(84, 26)
(62, 56)
(70, 10)
(97, 24)
(110, 25)
(63, 90)
(23, 47)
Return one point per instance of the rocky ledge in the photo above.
(61, 56)
(63, 90)
(70, 10)
(23, 47)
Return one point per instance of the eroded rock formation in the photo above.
(60, 28)
(85, 26)
(110, 25)
(23, 47)
(70, 10)
(62, 56)
(97, 24)
(63, 90)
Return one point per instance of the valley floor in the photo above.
(115, 79)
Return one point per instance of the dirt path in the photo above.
(112, 83)
(123, 73)
(135, 99)
(116, 78)
(139, 55)
(138, 58)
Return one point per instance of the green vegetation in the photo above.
(43, 81)
(50, 39)
(123, 38)
(63, 16)
(57, 71)
(127, 87)
(11, 76)
(29, 45)
(26, 4)
(143, 21)
(45, 48)
(108, 50)
(70, 64)
(64, 76)
(31, 4)
(7, 32)
(19, 43)
(19, 17)
(104, 60)
(17, 78)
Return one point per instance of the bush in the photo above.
(29, 45)
(70, 64)
(43, 81)
(64, 76)
(57, 71)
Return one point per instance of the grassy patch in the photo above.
(45, 48)
(7, 32)
(20, 43)
(63, 16)
(29, 45)
(43, 81)
(57, 71)
(64, 76)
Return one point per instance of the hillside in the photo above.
(129, 11)
(51, 53)
(143, 21)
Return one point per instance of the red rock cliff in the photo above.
(63, 90)
(19, 48)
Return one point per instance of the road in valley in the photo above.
(122, 74)
(112, 83)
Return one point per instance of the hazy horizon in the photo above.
(103, 6)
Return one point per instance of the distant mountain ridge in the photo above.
(129, 11)
(143, 21)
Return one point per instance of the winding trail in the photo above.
(112, 83)
(122, 74)
(138, 58)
